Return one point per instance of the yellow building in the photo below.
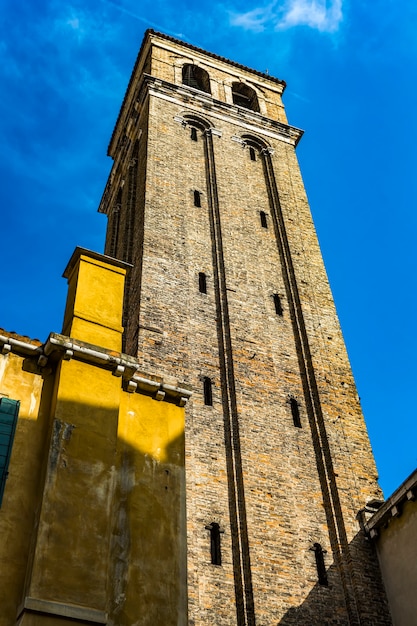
(93, 505)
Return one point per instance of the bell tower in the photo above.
(228, 291)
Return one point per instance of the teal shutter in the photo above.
(9, 410)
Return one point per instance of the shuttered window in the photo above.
(9, 410)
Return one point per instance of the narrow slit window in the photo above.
(202, 282)
(277, 302)
(115, 222)
(252, 153)
(215, 548)
(197, 198)
(208, 393)
(295, 412)
(193, 134)
(321, 567)
(115, 219)
(264, 223)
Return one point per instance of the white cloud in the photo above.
(74, 23)
(322, 15)
(253, 20)
(319, 14)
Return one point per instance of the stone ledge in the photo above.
(62, 609)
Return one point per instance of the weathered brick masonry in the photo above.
(274, 488)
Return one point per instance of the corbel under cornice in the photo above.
(121, 365)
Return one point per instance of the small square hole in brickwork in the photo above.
(264, 223)
(194, 134)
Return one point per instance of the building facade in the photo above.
(241, 508)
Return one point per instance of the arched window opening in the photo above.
(202, 282)
(114, 224)
(276, 299)
(256, 143)
(295, 412)
(252, 153)
(208, 394)
(264, 223)
(197, 198)
(321, 567)
(245, 96)
(215, 549)
(196, 77)
(193, 133)
(199, 123)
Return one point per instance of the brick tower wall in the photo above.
(275, 486)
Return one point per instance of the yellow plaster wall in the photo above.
(149, 545)
(95, 298)
(20, 380)
(71, 557)
(70, 563)
(111, 530)
(112, 526)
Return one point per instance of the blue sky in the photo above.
(350, 67)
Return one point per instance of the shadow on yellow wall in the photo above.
(94, 508)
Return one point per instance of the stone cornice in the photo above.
(58, 347)
(196, 100)
(102, 258)
(219, 109)
(61, 609)
(201, 103)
